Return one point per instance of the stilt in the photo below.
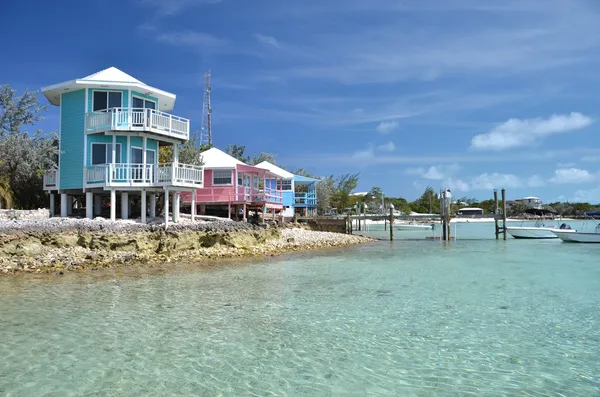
(89, 205)
(273, 214)
(496, 214)
(193, 208)
(263, 214)
(152, 205)
(144, 209)
(504, 213)
(97, 205)
(63, 205)
(166, 208)
(69, 205)
(391, 222)
(176, 196)
(52, 204)
(113, 205)
(244, 216)
(229, 210)
(124, 205)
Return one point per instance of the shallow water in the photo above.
(408, 318)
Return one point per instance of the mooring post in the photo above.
(358, 210)
(391, 222)
(349, 223)
(496, 214)
(504, 213)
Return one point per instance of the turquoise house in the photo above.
(111, 128)
(299, 192)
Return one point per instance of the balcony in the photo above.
(135, 119)
(51, 179)
(305, 199)
(140, 175)
(240, 194)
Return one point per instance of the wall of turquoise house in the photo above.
(72, 125)
(134, 141)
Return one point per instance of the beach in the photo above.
(67, 244)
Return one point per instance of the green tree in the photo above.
(429, 202)
(237, 151)
(24, 157)
(345, 184)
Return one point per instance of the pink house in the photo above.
(231, 184)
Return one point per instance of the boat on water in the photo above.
(413, 225)
(541, 229)
(582, 237)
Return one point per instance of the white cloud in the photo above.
(457, 185)
(435, 172)
(572, 175)
(591, 196)
(495, 181)
(371, 151)
(172, 7)
(387, 147)
(191, 39)
(525, 132)
(535, 181)
(385, 127)
(269, 40)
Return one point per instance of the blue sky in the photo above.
(466, 94)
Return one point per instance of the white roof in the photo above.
(531, 198)
(216, 158)
(471, 209)
(359, 194)
(111, 78)
(280, 172)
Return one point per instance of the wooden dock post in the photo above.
(391, 222)
(504, 213)
(496, 214)
(358, 210)
(349, 223)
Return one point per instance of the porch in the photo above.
(137, 119)
(144, 175)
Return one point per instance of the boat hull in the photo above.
(534, 232)
(578, 237)
(413, 227)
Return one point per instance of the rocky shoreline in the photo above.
(58, 245)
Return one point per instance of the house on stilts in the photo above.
(299, 192)
(233, 189)
(111, 128)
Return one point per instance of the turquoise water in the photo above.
(408, 318)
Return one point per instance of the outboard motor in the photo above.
(564, 226)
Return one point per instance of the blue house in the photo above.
(299, 192)
(111, 128)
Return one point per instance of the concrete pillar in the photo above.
(124, 205)
(144, 207)
(166, 208)
(152, 205)
(52, 204)
(245, 219)
(69, 205)
(193, 209)
(97, 205)
(89, 205)
(113, 205)
(176, 197)
(63, 205)
(229, 210)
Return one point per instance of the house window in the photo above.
(107, 99)
(286, 185)
(222, 177)
(102, 153)
(136, 156)
(139, 103)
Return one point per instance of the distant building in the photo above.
(470, 211)
(531, 201)
(358, 194)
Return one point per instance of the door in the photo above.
(140, 106)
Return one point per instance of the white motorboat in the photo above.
(581, 237)
(540, 230)
(413, 225)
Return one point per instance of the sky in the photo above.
(469, 95)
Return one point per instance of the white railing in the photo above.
(137, 119)
(50, 179)
(166, 174)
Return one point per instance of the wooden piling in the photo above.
(391, 223)
(504, 213)
(496, 214)
(349, 223)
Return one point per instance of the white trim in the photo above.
(128, 149)
(85, 141)
(118, 145)
(222, 184)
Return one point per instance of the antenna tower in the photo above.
(206, 131)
